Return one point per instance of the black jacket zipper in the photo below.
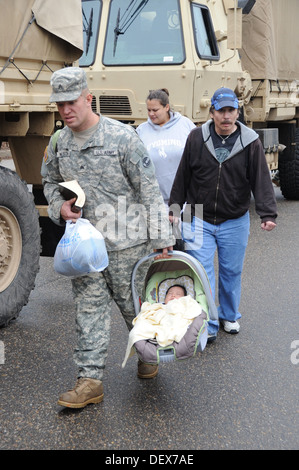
(217, 191)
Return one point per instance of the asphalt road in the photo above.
(240, 393)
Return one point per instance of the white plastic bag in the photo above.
(81, 250)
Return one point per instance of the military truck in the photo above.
(37, 38)
(191, 47)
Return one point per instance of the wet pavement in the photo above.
(240, 393)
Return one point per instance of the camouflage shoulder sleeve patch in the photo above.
(46, 154)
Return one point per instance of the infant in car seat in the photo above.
(164, 322)
(175, 292)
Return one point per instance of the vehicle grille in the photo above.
(117, 105)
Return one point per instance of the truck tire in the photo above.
(19, 245)
(289, 173)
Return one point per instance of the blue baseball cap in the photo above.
(224, 97)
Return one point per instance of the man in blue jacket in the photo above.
(223, 162)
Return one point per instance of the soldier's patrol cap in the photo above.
(67, 84)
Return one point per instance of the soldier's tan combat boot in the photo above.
(147, 371)
(85, 391)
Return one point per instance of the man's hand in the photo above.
(67, 213)
(164, 253)
(268, 226)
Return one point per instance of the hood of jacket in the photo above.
(174, 118)
(246, 137)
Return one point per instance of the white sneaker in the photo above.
(232, 327)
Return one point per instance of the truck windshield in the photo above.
(91, 13)
(143, 32)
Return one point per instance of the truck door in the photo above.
(206, 55)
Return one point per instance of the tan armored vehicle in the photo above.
(192, 48)
(37, 37)
(130, 47)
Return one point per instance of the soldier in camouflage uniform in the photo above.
(112, 166)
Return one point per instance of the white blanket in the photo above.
(165, 323)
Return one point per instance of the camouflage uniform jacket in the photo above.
(114, 170)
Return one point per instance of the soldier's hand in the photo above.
(164, 253)
(67, 213)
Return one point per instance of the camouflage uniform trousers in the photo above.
(93, 296)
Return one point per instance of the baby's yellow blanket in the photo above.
(165, 323)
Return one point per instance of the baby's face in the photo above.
(174, 292)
